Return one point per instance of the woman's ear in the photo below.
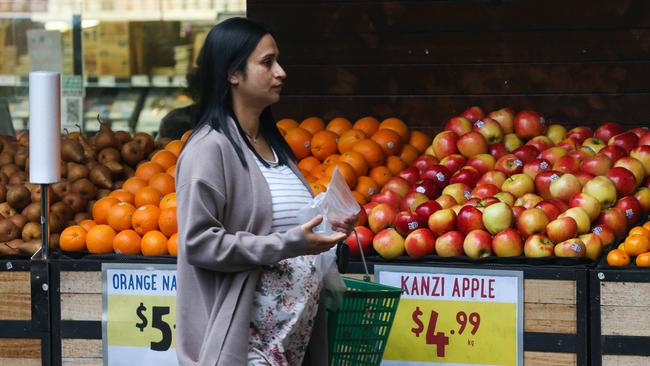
(234, 78)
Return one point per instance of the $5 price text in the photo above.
(439, 338)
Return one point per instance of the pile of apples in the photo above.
(508, 184)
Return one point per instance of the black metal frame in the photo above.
(536, 342)
(608, 344)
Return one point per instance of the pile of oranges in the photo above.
(368, 153)
(139, 218)
(636, 244)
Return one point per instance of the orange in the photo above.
(647, 226)
(639, 230)
(320, 171)
(349, 138)
(168, 200)
(127, 242)
(308, 163)
(339, 125)
(317, 188)
(147, 196)
(145, 219)
(398, 126)
(101, 208)
(73, 239)
(346, 171)
(356, 161)
(172, 245)
(154, 243)
(167, 221)
(361, 199)
(310, 178)
(381, 175)
(134, 184)
(419, 140)
(332, 159)
(636, 244)
(395, 164)
(164, 158)
(371, 151)
(618, 258)
(323, 144)
(147, 169)
(122, 195)
(99, 239)
(87, 224)
(175, 147)
(119, 216)
(186, 135)
(286, 123)
(171, 171)
(389, 141)
(163, 183)
(366, 124)
(643, 260)
(312, 124)
(299, 141)
(409, 154)
(367, 187)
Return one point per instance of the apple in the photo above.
(553, 154)
(469, 218)
(467, 175)
(387, 197)
(516, 212)
(607, 130)
(640, 131)
(528, 124)
(540, 142)
(427, 187)
(594, 144)
(626, 140)
(419, 243)
(593, 245)
(406, 222)
(614, 219)
(646, 182)
(398, 185)
(613, 152)
(631, 208)
(556, 132)
(561, 229)
(568, 143)
(477, 244)
(365, 241)
(459, 125)
(453, 162)
(581, 153)
(486, 202)
(505, 117)
(563, 206)
(410, 175)
(508, 243)
(519, 185)
(459, 191)
(444, 144)
(583, 177)
(551, 210)
(473, 113)
(381, 217)
(492, 177)
(633, 165)
(529, 200)
(427, 208)
(446, 201)
(565, 187)
(362, 218)
(442, 221)
(643, 196)
(602, 189)
(642, 154)
(497, 150)
(490, 129)
(412, 200)
(450, 244)
(605, 234)
(532, 221)
(644, 139)
(623, 180)
(482, 162)
(526, 153)
(509, 164)
(369, 206)
(538, 246)
(485, 190)
(599, 164)
(581, 218)
(580, 133)
(567, 164)
(588, 203)
(497, 217)
(571, 248)
(505, 197)
(388, 243)
(543, 182)
(438, 173)
(472, 143)
(423, 162)
(512, 142)
(536, 166)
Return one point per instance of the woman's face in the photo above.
(264, 76)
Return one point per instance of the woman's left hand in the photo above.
(346, 226)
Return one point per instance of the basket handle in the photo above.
(366, 277)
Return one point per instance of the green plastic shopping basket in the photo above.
(358, 330)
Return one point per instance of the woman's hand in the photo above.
(319, 243)
(346, 226)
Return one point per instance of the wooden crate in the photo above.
(620, 319)
(555, 310)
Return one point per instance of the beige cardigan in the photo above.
(224, 223)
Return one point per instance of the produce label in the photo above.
(450, 316)
(139, 314)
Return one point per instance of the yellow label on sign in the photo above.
(142, 321)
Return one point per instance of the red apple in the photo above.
(490, 129)
(556, 132)
(427, 208)
(529, 200)
(411, 175)
(568, 143)
(565, 187)
(614, 219)
(369, 206)
(528, 124)
(613, 152)
(505, 117)
(526, 153)
(646, 182)
(406, 222)
(593, 245)
(561, 229)
(605, 234)
(581, 153)
(439, 174)
(608, 130)
(508, 243)
(444, 144)
(567, 164)
(543, 181)
(473, 113)
(398, 185)
(626, 140)
(631, 208)
(459, 191)
(497, 150)
(453, 162)
(540, 142)
(623, 180)
(633, 165)
(423, 162)
(442, 221)
(571, 248)
(643, 196)
(485, 190)
(583, 177)
(590, 204)
(509, 164)
(469, 218)
(482, 162)
(536, 166)
(450, 244)
(640, 131)
(427, 187)
(580, 134)
(420, 243)
(459, 125)
(512, 142)
(599, 164)
(594, 144)
(381, 217)
(516, 212)
(387, 197)
(550, 209)
(532, 221)
(644, 139)
(477, 244)
(581, 218)
(538, 246)
(446, 201)
(497, 217)
(642, 154)
(365, 240)
(467, 175)
(553, 154)
(519, 185)
(472, 143)
(388, 243)
(493, 177)
(412, 200)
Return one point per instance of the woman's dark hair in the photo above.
(225, 51)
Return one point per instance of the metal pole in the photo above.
(45, 221)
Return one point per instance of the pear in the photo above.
(101, 176)
(9, 169)
(84, 187)
(7, 249)
(3, 192)
(122, 137)
(31, 231)
(32, 212)
(4, 179)
(18, 197)
(89, 150)
(105, 137)
(80, 216)
(8, 231)
(77, 171)
(132, 153)
(6, 158)
(63, 210)
(6, 210)
(55, 239)
(108, 154)
(19, 220)
(57, 224)
(17, 178)
(60, 189)
(21, 156)
(103, 193)
(75, 201)
(145, 141)
(30, 247)
(71, 150)
(114, 167)
(161, 142)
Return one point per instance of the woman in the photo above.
(246, 290)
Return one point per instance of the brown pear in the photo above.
(75, 201)
(108, 154)
(4, 179)
(10, 147)
(55, 239)
(103, 193)
(123, 137)
(17, 178)
(60, 189)
(21, 156)
(57, 224)
(84, 187)
(9, 169)
(63, 210)
(19, 220)
(71, 150)
(101, 176)
(36, 194)
(105, 137)
(77, 171)
(161, 142)
(6, 158)
(132, 153)
(128, 172)
(117, 184)
(145, 141)
(89, 150)
(6, 210)
(24, 139)
(8, 231)
(31, 231)
(115, 168)
(32, 212)
(3, 192)
(7, 249)
(64, 169)
(18, 197)
(80, 216)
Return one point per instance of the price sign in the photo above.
(139, 314)
(453, 316)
